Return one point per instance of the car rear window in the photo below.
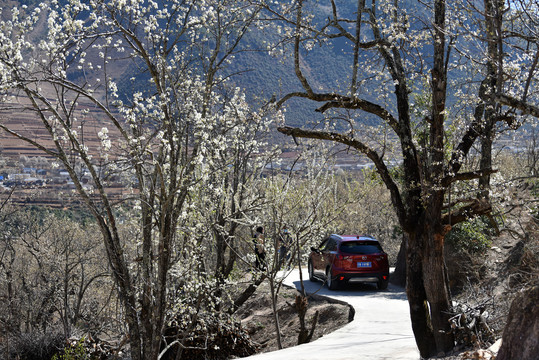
(361, 247)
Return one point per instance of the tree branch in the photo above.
(243, 297)
(525, 107)
(297, 40)
(381, 167)
(474, 208)
(29, 141)
(345, 102)
(446, 181)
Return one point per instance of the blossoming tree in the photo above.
(406, 61)
(145, 78)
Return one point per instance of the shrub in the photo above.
(73, 351)
(36, 345)
(473, 236)
(212, 338)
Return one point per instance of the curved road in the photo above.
(380, 330)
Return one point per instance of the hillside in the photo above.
(492, 279)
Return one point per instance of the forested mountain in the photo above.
(262, 73)
(265, 68)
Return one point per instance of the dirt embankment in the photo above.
(257, 317)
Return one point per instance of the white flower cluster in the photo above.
(103, 135)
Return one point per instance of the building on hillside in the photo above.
(18, 176)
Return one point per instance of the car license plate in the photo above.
(364, 264)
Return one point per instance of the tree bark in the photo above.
(427, 289)
(125, 289)
(243, 297)
(417, 297)
(492, 86)
(437, 287)
(399, 275)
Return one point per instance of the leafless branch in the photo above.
(525, 107)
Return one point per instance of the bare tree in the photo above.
(53, 269)
(304, 201)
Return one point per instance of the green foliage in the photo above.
(473, 236)
(535, 189)
(75, 351)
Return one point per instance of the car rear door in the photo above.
(317, 258)
(363, 256)
(328, 254)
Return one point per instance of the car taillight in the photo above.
(343, 261)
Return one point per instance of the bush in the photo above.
(212, 338)
(36, 345)
(473, 236)
(73, 351)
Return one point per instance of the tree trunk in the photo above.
(491, 84)
(246, 294)
(275, 312)
(430, 229)
(399, 275)
(427, 289)
(486, 158)
(417, 298)
(126, 291)
(301, 304)
(437, 289)
(146, 310)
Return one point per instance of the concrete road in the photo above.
(380, 330)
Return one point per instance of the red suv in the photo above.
(349, 259)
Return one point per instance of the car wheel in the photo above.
(331, 283)
(382, 284)
(311, 271)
